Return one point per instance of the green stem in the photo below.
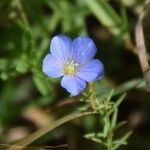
(110, 146)
(23, 15)
(108, 132)
(31, 138)
(109, 135)
(92, 97)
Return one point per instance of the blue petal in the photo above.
(74, 85)
(60, 47)
(83, 49)
(52, 67)
(91, 71)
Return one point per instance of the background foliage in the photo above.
(29, 100)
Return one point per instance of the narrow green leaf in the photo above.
(114, 119)
(120, 124)
(110, 95)
(135, 83)
(106, 15)
(124, 15)
(106, 127)
(41, 84)
(117, 103)
(84, 108)
(97, 140)
(53, 22)
(119, 100)
(119, 143)
(129, 85)
(53, 5)
(122, 141)
(31, 138)
(126, 136)
(90, 135)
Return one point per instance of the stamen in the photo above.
(70, 68)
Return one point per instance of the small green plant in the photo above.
(108, 111)
(22, 55)
(105, 108)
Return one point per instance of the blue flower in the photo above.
(74, 61)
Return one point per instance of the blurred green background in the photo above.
(29, 100)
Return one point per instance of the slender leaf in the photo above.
(106, 15)
(122, 140)
(115, 106)
(120, 124)
(114, 119)
(110, 95)
(28, 140)
(41, 84)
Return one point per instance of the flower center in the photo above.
(70, 68)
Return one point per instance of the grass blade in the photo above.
(31, 138)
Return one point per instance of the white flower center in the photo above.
(70, 68)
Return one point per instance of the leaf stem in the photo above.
(92, 97)
(23, 15)
(28, 140)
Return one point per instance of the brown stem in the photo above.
(142, 54)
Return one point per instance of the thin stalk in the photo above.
(31, 138)
(23, 15)
(92, 97)
(109, 134)
(110, 144)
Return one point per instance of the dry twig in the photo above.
(141, 48)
